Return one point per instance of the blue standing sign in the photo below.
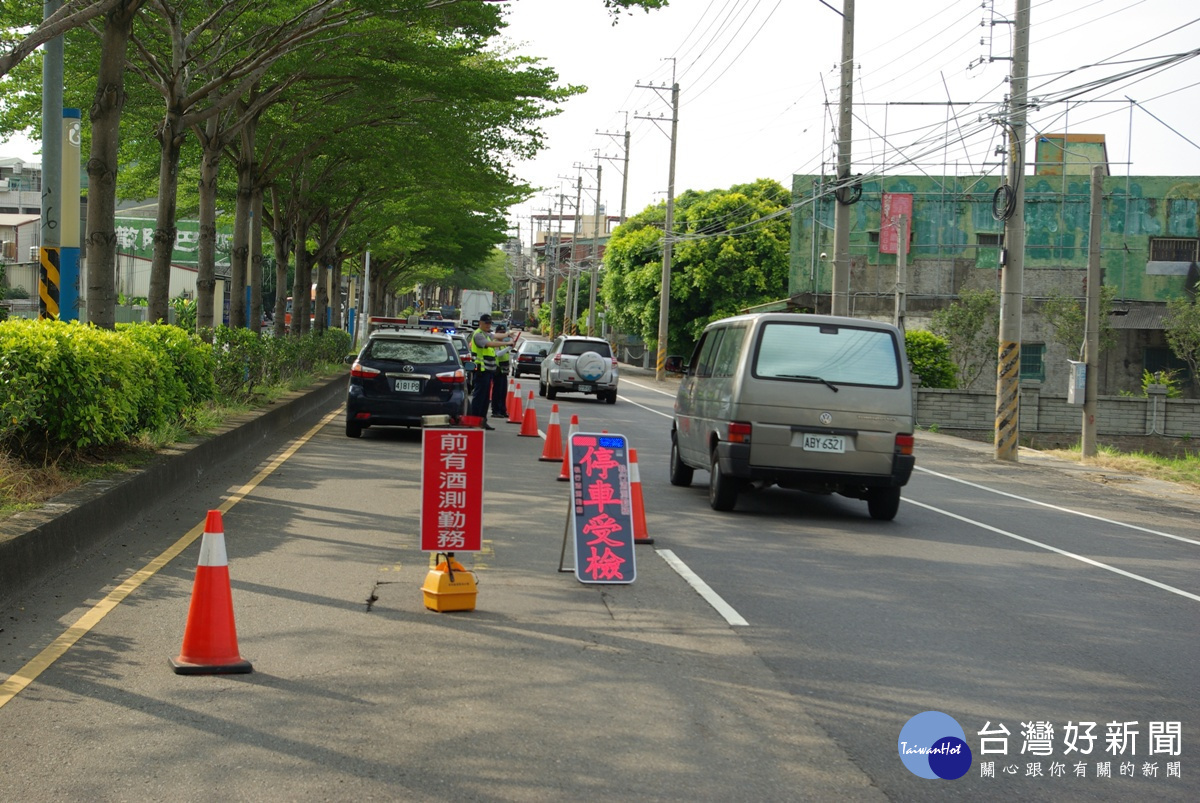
(601, 508)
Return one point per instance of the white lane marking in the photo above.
(644, 407)
(1055, 549)
(702, 588)
(1058, 508)
(650, 387)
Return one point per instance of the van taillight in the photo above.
(739, 432)
(362, 372)
(904, 444)
(455, 377)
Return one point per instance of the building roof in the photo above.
(10, 219)
(1138, 316)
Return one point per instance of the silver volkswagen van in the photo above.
(811, 402)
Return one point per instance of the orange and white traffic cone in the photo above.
(529, 427)
(514, 409)
(565, 474)
(210, 638)
(640, 536)
(508, 395)
(552, 451)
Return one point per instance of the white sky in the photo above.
(755, 77)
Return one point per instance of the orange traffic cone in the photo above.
(210, 638)
(514, 409)
(553, 449)
(508, 395)
(529, 425)
(565, 474)
(640, 536)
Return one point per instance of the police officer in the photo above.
(500, 382)
(483, 346)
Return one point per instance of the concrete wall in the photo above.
(1116, 415)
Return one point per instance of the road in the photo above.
(1001, 595)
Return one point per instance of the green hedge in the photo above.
(246, 361)
(929, 356)
(66, 386)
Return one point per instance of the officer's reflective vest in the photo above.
(485, 358)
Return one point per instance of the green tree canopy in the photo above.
(730, 252)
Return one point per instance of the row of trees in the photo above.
(389, 124)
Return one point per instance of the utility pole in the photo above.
(573, 275)
(901, 273)
(840, 295)
(554, 268)
(591, 325)
(1091, 343)
(625, 169)
(49, 254)
(1008, 362)
(664, 302)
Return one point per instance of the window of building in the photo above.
(1174, 249)
(989, 240)
(1161, 358)
(1033, 361)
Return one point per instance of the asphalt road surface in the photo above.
(772, 653)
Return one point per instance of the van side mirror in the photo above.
(350, 358)
(673, 364)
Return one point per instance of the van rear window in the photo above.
(821, 352)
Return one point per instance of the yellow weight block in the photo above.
(449, 587)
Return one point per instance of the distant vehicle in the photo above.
(474, 304)
(528, 356)
(579, 365)
(401, 375)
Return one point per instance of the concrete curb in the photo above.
(36, 543)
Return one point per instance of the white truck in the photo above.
(474, 304)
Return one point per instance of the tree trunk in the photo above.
(279, 230)
(105, 117)
(241, 242)
(301, 305)
(256, 256)
(206, 270)
(335, 294)
(170, 137)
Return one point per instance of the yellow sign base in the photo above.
(449, 587)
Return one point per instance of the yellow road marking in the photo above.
(17, 682)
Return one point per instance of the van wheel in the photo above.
(541, 388)
(722, 490)
(681, 473)
(353, 430)
(611, 397)
(882, 503)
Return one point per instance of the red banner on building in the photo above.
(894, 205)
(601, 508)
(452, 490)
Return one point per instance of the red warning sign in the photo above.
(452, 490)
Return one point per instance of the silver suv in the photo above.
(579, 365)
